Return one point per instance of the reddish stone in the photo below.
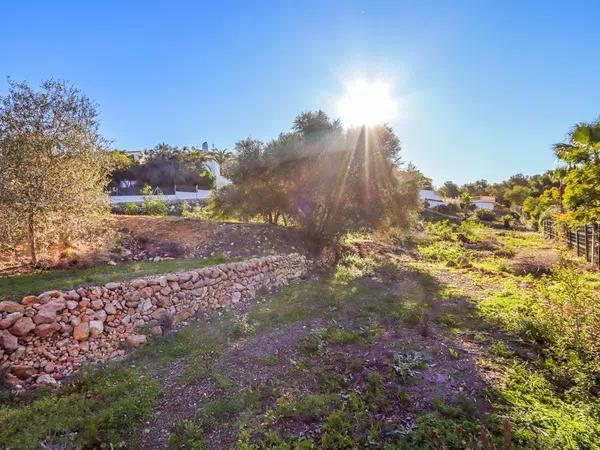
(46, 330)
(8, 341)
(22, 326)
(23, 372)
(82, 331)
(11, 307)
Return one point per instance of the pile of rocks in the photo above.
(47, 337)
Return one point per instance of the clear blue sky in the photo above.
(485, 87)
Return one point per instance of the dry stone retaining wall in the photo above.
(46, 337)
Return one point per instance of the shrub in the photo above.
(485, 215)
(131, 209)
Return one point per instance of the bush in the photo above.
(131, 209)
(155, 207)
(485, 215)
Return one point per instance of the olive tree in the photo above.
(53, 166)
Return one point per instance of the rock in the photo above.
(71, 305)
(100, 315)
(72, 295)
(22, 372)
(48, 312)
(81, 331)
(10, 319)
(29, 300)
(112, 286)
(236, 297)
(45, 379)
(136, 340)
(110, 309)
(8, 341)
(46, 330)
(96, 328)
(11, 307)
(156, 330)
(139, 283)
(146, 292)
(22, 326)
(144, 306)
(111, 263)
(97, 304)
(159, 314)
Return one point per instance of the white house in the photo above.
(431, 197)
(485, 202)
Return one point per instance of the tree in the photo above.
(517, 195)
(165, 165)
(466, 200)
(581, 193)
(450, 190)
(325, 179)
(221, 157)
(53, 165)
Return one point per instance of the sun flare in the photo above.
(367, 103)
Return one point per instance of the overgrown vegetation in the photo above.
(374, 356)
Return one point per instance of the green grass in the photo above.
(99, 408)
(14, 288)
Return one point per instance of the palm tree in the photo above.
(220, 156)
(583, 145)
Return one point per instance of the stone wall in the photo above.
(46, 337)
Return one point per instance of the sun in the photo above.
(367, 103)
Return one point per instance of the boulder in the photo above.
(136, 340)
(8, 341)
(81, 331)
(110, 309)
(112, 286)
(10, 319)
(11, 307)
(22, 326)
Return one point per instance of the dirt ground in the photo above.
(139, 238)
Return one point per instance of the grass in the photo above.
(13, 288)
(326, 393)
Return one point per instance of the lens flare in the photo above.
(367, 103)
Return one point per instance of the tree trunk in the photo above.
(32, 243)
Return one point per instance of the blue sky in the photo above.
(485, 88)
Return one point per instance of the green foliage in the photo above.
(154, 203)
(131, 209)
(165, 165)
(53, 167)
(321, 178)
(541, 416)
(582, 155)
(97, 409)
(485, 215)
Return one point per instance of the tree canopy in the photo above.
(325, 179)
(53, 165)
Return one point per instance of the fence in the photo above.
(585, 239)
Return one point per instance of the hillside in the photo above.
(424, 345)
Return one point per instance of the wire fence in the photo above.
(585, 240)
